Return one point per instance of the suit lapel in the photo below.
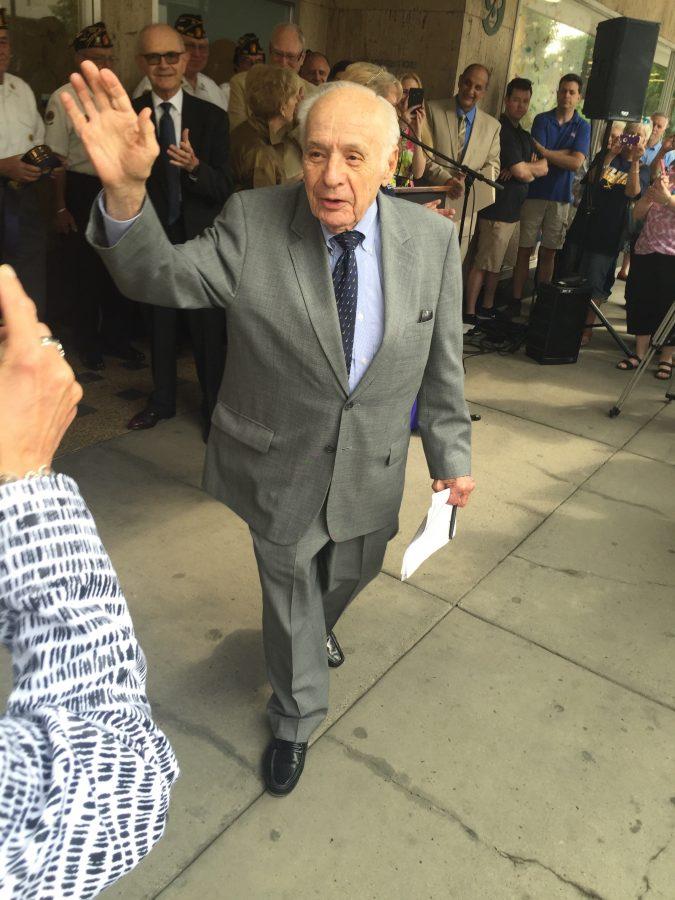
(397, 267)
(476, 140)
(453, 128)
(310, 261)
(189, 117)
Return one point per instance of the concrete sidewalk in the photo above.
(504, 726)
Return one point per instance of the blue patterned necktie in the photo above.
(346, 285)
(167, 136)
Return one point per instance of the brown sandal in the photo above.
(627, 364)
(664, 371)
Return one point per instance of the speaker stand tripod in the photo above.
(604, 323)
(662, 338)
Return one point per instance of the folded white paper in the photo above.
(433, 533)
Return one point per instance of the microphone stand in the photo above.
(470, 174)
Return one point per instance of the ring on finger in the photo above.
(48, 341)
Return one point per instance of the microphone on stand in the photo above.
(470, 175)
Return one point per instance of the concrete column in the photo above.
(437, 38)
(124, 19)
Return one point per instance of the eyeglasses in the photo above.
(154, 59)
(291, 57)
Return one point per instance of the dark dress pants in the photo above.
(207, 334)
(102, 315)
(208, 337)
(23, 239)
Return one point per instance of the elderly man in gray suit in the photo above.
(343, 304)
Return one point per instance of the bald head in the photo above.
(162, 57)
(152, 35)
(287, 46)
(472, 85)
(350, 141)
(477, 67)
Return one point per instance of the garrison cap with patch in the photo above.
(191, 25)
(92, 36)
(3, 20)
(248, 45)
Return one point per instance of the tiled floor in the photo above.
(113, 395)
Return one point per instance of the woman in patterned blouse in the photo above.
(85, 774)
(650, 288)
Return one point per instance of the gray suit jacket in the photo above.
(288, 435)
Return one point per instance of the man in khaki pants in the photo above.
(520, 165)
(562, 138)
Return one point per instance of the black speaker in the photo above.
(557, 321)
(622, 61)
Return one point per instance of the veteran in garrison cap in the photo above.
(22, 231)
(191, 27)
(247, 53)
(101, 316)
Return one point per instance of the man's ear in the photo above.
(392, 163)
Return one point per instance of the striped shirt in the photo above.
(85, 774)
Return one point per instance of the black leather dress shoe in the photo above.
(335, 655)
(146, 418)
(283, 765)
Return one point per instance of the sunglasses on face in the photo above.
(154, 59)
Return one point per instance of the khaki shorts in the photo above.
(547, 216)
(493, 242)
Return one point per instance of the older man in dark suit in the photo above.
(343, 305)
(188, 185)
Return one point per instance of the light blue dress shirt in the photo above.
(369, 325)
(470, 117)
(650, 152)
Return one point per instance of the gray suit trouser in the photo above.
(305, 588)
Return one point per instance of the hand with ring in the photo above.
(38, 390)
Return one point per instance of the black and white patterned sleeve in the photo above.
(85, 775)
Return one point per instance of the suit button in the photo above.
(349, 405)
(329, 448)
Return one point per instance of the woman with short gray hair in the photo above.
(262, 150)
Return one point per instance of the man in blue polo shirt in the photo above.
(562, 138)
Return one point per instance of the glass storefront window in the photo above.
(657, 78)
(544, 50)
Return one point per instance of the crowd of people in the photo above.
(579, 212)
(318, 313)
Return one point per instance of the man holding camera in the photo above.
(22, 234)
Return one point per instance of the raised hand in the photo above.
(38, 391)
(121, 145)
(659, 191)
